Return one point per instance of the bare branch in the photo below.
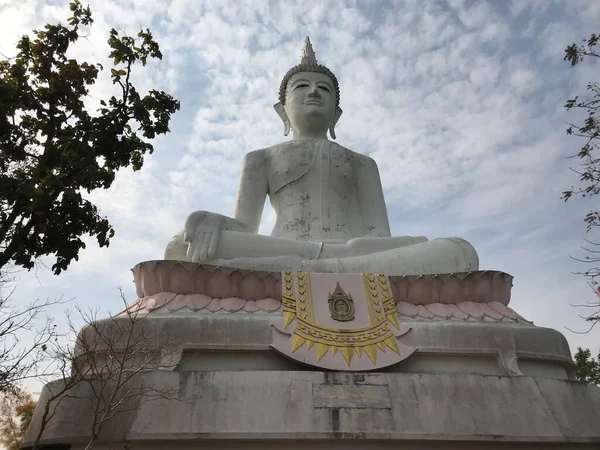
(107, 359)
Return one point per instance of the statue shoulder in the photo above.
(263, 156)
(360, 159)
(256, 160)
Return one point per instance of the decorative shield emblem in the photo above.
(339, 321)
(341, 305)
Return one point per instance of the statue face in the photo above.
(310, 101)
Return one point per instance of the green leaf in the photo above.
(44, 192)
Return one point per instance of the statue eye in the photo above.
(325, 88)
(301, 85)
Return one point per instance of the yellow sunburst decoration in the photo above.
(364, 312)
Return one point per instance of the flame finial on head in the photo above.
(308, 55)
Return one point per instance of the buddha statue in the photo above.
(331, 213)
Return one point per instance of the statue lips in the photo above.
(313, 102)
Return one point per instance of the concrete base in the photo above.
(271, 409)
(482, 376)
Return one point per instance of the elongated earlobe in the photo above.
(279, 108)
(336, 116)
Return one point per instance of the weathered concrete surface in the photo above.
(240, 341)
(420, 409)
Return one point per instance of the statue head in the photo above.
(309, 96)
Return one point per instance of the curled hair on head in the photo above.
(317, 68)
(308, 63)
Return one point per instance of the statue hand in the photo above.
(201, 232)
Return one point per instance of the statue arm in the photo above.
(370, 200)
(252, 191)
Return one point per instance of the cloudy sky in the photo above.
(459, 102)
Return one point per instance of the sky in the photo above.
(460, 103)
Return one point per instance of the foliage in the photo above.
(588, 160)
(586, 367)
(16, 411)
(52, 149)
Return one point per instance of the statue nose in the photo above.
(314, 92)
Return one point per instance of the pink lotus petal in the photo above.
(424, 312)
(200, 279)
(407, 309)
(218, 285)
(483, 290)
(227, 270)
(163, 275)
(214, 305)
(136, 280)
(252, 288)
(235, 280)
(436, 285)
(251, 306)
(147, 280)
(419, 291)
(504, 310)
(472, 309)
(399, 288)
(277, 290)
(456, 312)
(270, 282)
(181, 280)
(268, 304)
(144, 303)
(148, 302)
(196, 302)
(491, 312)
(232, 304)
(179, 302)
(440, 309)
(450, 290)
(132, 307)
(503, 295)
(159, 300)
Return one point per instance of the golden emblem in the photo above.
(366, 336)
(341, 305)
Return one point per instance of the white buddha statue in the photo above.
(331, 214)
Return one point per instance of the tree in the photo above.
(103, 367)
(16, 411)
(52, 149)
(21, 358)
(588, 163)
(587, 368)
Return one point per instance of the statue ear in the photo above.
(336, 116)
(280, 109)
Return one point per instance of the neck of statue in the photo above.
(309, 134)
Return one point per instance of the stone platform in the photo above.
(482, 375)
(234, 409)
(459, 322)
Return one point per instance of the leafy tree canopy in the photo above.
(586, 367)
(52, 148)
